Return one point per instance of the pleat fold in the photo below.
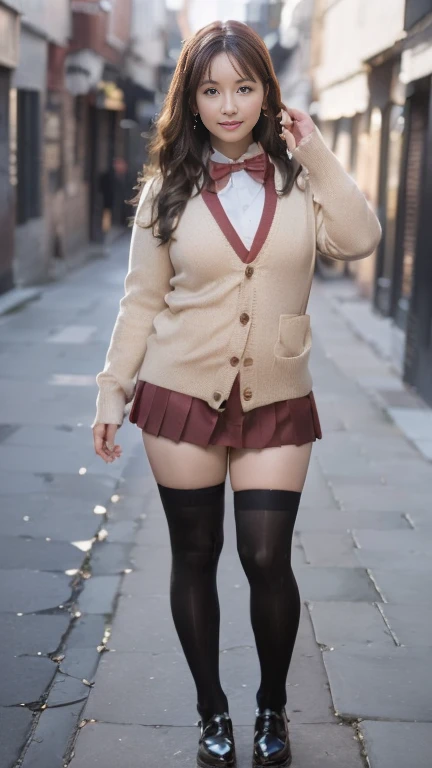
(180, 417)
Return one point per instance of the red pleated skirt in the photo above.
(160, 411)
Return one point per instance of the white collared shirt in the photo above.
(242, 197)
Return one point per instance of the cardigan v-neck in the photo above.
(268, 213)
(241, 195)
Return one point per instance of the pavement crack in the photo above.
(360, 739)
(234, 648)
(75, 677)
(374, 582)
(67, 703)
(409, 520)
(386, 622)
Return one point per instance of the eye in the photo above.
(213, 89)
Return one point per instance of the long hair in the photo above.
(175, 148)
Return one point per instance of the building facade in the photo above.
(77, 89)
(94, 69)
(371, 70)
(9, 48)
(45, 26)
(411, 294)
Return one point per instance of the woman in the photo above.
(213, 325)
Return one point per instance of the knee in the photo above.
(259, 560)
(199, 556)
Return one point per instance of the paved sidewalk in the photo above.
(84, 593)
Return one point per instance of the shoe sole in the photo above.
(231, 764)
(285, 764)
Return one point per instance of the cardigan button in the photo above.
(249, 271)
(217, 396)
(248, 361)
(244, 318)
(234, 361)
(247, 393)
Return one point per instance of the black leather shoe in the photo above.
(271, 739)
(216, 744)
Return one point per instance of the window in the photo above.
(29, 199)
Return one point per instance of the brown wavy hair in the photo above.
(175, 148)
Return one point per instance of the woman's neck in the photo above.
(232, 150)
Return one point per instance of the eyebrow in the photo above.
(242, 80)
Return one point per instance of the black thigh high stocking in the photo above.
(265, 522)
(195, 521)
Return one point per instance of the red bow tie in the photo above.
(256, 166)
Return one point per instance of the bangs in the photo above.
(238, 61)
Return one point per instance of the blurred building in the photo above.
(371, 68)
(79, 82)
(148, 70)
(36, 132)
(295, 39)
(94, 68)
(411, 280)
(262, 15)
(9, 48)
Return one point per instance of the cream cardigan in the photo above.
(192, 305)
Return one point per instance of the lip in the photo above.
(231, 126)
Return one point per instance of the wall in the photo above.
(352, 31)
(32, 64)
(51, 18)
(15, 5)
(30, 263)
(147, 49)
(106, 34)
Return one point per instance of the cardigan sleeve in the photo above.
(346, 226)
(146, 283)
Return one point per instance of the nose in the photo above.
(229, 106)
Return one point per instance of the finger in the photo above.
(290, 141)
(296, 114)
(111, 433)
(291, 144)
(110, 437)
(285, 118)
(289, 138)
(107, 447)
(99, 448)
(97, 439)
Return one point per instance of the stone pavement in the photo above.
(92, 670)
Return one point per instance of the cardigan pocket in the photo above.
(294, 336)
(290, 369)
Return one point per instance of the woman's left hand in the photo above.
(295, 126)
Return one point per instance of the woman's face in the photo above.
(227, 100)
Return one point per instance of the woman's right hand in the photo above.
(104, 436)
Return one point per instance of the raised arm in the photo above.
(346, 226)
(146, 284)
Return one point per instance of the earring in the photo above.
(195, 121)
(264, 114)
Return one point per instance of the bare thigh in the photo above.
(283, 468)
(184, 465)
